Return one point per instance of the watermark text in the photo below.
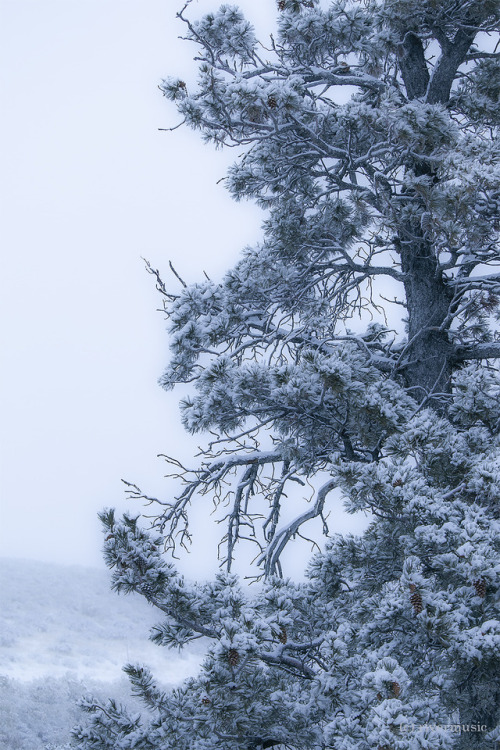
(455, 728)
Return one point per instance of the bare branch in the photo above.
(176, 274)
(271, 555)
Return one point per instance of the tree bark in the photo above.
(428, 361)
(413, 66)
(452, 57)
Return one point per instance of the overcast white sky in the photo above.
(89, 185)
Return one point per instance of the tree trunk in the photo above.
(428, 367)
(428, 363)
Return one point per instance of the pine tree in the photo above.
(369, 132)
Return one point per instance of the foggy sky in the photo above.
(89, 185)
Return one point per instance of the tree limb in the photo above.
(477, 351)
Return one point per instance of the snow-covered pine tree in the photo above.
(369, 132)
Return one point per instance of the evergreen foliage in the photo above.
(371, 137)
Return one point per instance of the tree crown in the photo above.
(369, 133)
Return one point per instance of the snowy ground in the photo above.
(64, 633)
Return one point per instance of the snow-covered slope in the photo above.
(56, 620)
(63, 632)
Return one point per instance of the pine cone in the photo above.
(281, 5)
(206, 700)
(396, 689)
(283, 636)
(233, 657)
(254, 114)
(397, 483)
(147, 590)
(480, 586)
(271, 102)
(416, 600)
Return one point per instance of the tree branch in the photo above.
(278, 543)
(447, 66)
(477, 351)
